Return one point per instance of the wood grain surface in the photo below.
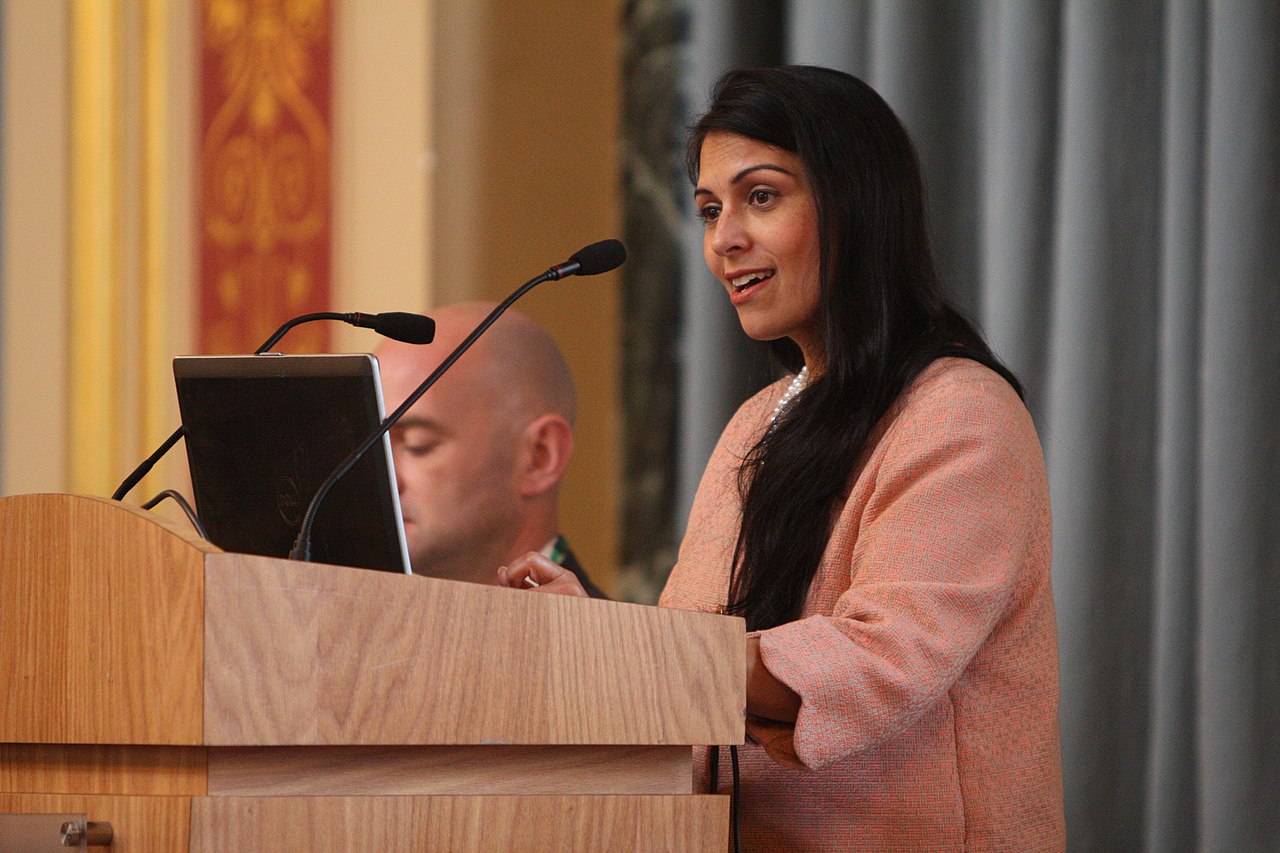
(411, 824)
(100, 623)
(319, 655)
(77, 769)
(403, 770)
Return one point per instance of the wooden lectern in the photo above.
(205, 701)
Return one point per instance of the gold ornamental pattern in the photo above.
(264, 160)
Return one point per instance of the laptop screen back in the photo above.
(263, 433)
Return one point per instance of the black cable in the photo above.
(177, 498)
(733, 801)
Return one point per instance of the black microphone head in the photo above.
(600, 257)
(403, 326)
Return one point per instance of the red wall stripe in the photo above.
(264, 198)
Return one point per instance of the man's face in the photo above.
(455, 458)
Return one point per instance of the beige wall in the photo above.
(382, 171)
(527, 113)
(33, 334)
(97, 239)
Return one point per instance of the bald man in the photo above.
(480, 456)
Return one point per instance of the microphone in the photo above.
(399, 325)
(597, 258)
(591, 260)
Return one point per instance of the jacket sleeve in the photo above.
(944, 515)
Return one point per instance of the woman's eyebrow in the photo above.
(742, 174)
(747, 171)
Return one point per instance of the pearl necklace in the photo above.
(798, 382)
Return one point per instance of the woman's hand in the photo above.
(534, 571)
(766, 695)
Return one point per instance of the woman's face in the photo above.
(761, 238)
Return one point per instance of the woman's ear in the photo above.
(546, 444)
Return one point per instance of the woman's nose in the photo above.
(728, 235)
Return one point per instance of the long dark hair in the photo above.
(883, 316)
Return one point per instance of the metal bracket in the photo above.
(88, 833)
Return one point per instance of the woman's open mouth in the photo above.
(743, 283)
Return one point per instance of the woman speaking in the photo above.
(880, 516)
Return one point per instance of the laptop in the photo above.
(265, 431)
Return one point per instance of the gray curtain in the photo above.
(1105, 198)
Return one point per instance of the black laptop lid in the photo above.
(264, 431)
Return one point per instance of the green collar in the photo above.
(559, 550)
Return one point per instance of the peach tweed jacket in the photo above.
(926, 659)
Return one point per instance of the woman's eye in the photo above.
(762, 196)
(709, 213)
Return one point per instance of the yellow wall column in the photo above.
(97, 217)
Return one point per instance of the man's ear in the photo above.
(547, 444)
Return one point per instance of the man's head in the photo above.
(480, 456)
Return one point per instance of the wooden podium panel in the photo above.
(306, 654)
(413, 824)
(418, 770)
(101, 614)
(75, 769)
(199, 700)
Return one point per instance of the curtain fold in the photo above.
(1104, 183)
(1099, 417)
(1239, 507)
(1170, 797)
(1016, 182)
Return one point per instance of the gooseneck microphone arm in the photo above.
(592, 260)
(296, 321)
(147, 464)
(410, 328)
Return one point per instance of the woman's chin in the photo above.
(759, 331)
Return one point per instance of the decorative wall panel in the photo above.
(265, 131)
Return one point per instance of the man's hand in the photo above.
(534, 571)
